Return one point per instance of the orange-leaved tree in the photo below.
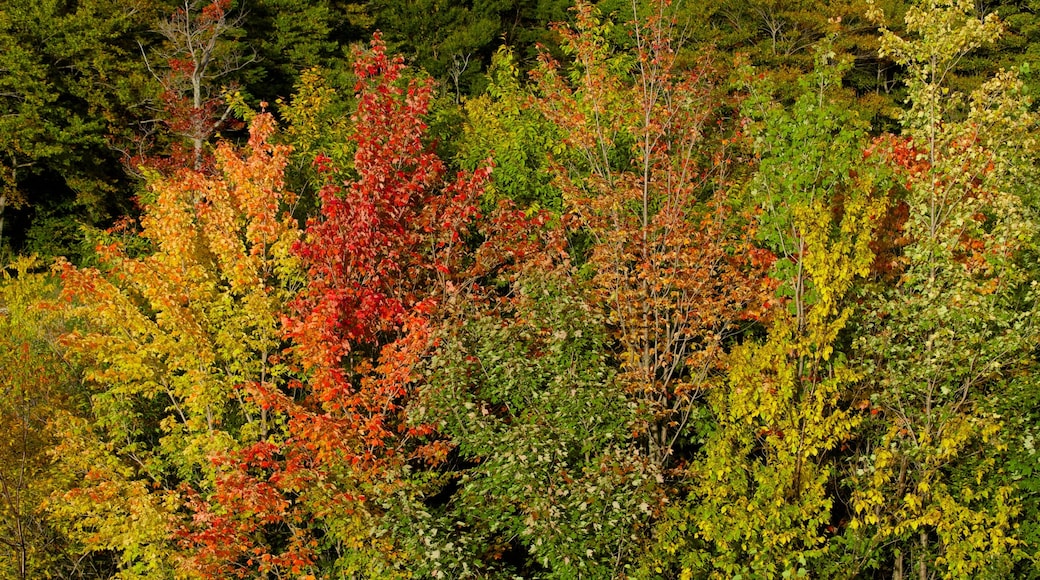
(644, 168)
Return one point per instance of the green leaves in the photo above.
(71, 84)
(705, 329)
(545, 463)
(505, 124)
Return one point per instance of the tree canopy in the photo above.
(518, 289)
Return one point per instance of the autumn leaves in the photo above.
(676, 357)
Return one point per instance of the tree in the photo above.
(397, 216)
(450, 40)
(36, 383)
(378, 259)
(518, 137)
(960, 317)
(290, 36)
(72, 80)
(201, 50)
(541, 478)
(645, 173)
(762, 486)
(174, 334)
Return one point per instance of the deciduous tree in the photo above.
(763, 496)
(35, 383)
(959, 318)
(644, 166)
(201, 49)
(173, 334)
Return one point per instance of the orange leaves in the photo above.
(240, 215)
(215, 11)
(644, 175)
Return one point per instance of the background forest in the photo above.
(519, 289)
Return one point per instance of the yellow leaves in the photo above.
(913, 503)
(911, 489)
(171, 338)
(110, 508)
(776, 418)
(833, 263)
(317, 120)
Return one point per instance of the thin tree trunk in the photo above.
(922, 564)
(3, 206)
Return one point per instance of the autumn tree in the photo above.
(200, 52)
(376, 262)
(645, 169)
(762, 486)
(173, 332)
(398, 216)
(36, 382)
(955, 326)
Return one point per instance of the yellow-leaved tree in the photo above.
(760, 503)
(175, 332)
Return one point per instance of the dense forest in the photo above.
(519, 289)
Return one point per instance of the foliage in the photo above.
(396, 217)
(503, 122)
(761, 488)
(170, 341)
(960, 317)
(781, 37)
(703, 320)
(647, 178)
(379, 259)
(545, 480)
(318, 123)
(450, 40)
(70, 87)
(291, 36)
(35, 382)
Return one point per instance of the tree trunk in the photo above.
(922, 563)
(3, 206)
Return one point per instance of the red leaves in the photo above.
(215, 12)
(903, 154)
(378, 260)
(228, 531)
